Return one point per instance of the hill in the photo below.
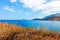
(53, 17)
(14, 32)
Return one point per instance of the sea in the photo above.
(37, 24)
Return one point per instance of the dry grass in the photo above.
(14, 32)
(8, 30)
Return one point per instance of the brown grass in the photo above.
(14, 32)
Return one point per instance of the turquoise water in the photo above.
(38, 24)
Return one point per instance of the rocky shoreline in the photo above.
(14, 32)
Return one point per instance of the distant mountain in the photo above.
(53, 17)
(50, 17)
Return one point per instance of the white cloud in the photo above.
(53, 6)
(13, 0)
(48, 7)
(8, 8)
(33, 4)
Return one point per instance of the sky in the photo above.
(28, 9)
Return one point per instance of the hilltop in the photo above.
(14, 32)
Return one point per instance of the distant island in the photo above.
(38, 19)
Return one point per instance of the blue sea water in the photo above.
(38, 24)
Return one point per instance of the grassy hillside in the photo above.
(14, 32)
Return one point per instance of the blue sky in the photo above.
(27, 9)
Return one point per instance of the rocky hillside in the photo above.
(53, 17)
(14, 32)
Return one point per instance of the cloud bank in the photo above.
(36, 5)
(33, 4)
(47, 7)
